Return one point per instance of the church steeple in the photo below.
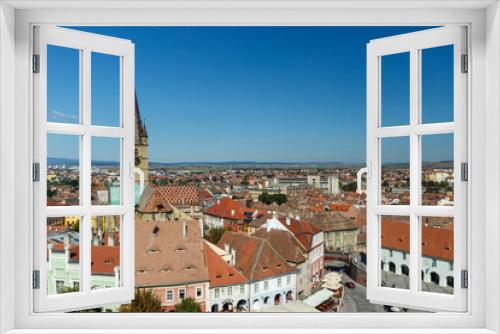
(141, 144)
(140, 127)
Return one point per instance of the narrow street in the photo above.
(355, 299)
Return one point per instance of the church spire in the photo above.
(140, 129)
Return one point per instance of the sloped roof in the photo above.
(285, 243)
(163, 256)
(104, 259)
(229, 209)
(302, 230)
(220, 272)
(160, 198)
(437, 241)
(335, 221)
(256, 259)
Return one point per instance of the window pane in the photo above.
(395, 89)
(63, 84)
(105, 252)
(63, 255)
(395, 171)
(63, 170)
(105, 90)
(437, 170)
(395, 251)
(106, 171)
(437, 254)
(437, 84)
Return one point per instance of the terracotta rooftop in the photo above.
(331, 222)
(255, 257)
(437, 241)
(285, 243)
(219, 271)
(302, 230)
(168, 253)
(229, 209)
(160, 198)
(104, 258)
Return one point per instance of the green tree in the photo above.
(76, 226)
(214, 234)
(268, 199)
(188, 305)
(351, 186)
(67, 289)
(144, 301)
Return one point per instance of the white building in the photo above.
(437, 251)
(271, 280)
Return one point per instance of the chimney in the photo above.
(99, 233)
(288, 221)
(111, 240)
(233, 257)
(66, 241)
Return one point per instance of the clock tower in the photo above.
(141, 144)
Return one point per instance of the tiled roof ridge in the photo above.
(257, 256)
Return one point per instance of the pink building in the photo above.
(170, 260)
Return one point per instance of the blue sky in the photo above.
(289, 94)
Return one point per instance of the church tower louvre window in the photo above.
(141, 144)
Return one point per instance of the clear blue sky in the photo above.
(290, 94)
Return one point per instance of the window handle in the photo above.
(359, 175)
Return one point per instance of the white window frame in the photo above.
(412, 44)
(16, 19)
(85, 43)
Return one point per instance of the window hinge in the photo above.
(464, 279)
(36, 279)
(464, 171)
(36, 63)
(465, 64)
(36, 172)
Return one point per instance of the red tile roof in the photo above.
(285, 243)
(104, 258)
(229, 209)
(302, 230)
(163, 256)
(255, 257)
(220, 272)
(437, 241)
(160, 198)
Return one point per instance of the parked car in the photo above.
(350, 285)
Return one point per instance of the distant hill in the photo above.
(73, 162)
(253, 164)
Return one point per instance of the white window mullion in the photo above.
(127, 107)
(414, 168)
(85, 231)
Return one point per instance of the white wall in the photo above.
(272, 291)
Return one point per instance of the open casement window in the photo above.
(417, 172)
(83, 219)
